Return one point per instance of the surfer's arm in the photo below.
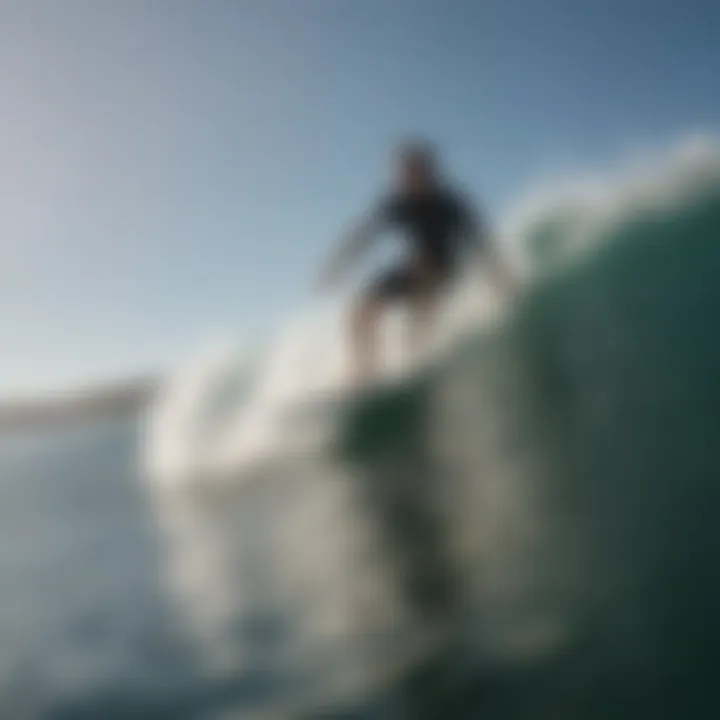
(353, 246)
(501, 277)
(483, 246)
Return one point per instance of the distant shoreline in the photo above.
(72, 407)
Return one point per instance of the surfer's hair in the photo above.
(419, 152)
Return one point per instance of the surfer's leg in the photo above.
(428, 283)
(424, 307)
(389, 287)
(363, 340)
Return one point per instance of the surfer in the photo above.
(439, 223)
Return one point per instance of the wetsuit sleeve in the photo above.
(387, 212)
(360, 237)
(374, 222)
(476, 233)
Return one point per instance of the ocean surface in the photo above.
(525, 526)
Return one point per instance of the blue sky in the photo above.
(175, 169)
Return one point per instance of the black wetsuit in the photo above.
(436, 225)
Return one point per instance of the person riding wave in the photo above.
(439, 224)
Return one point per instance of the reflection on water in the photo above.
(81, 610)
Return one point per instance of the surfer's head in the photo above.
(415, 167)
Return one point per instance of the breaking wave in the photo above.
(533, 499)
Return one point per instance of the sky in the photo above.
(172, 171)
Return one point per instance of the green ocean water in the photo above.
(603, 401)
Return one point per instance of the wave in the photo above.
(545, 477)
(207, 419)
